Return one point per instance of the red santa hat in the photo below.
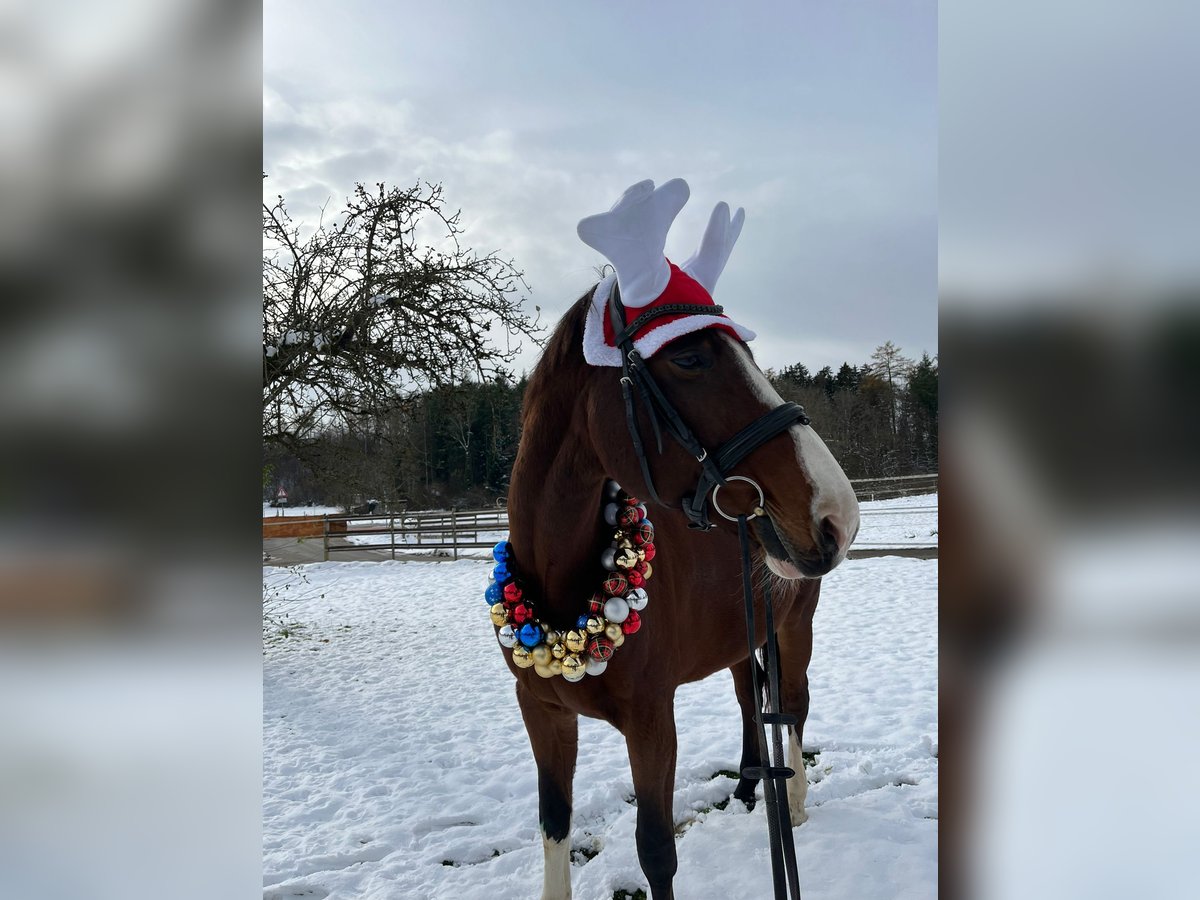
(632, 236)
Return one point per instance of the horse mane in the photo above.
(562, 357)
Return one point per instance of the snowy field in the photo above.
(396, 764)
(274, 511)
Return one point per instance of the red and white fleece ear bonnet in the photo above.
(632, 236)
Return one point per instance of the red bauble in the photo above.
(650, 551)
(632, 623)
(615, 585)
(640, 568)
(628, 516)
(512, 592)
(644, 533)
(632, 501)
(520, 614)
(641, 514)
(635, 579)
(596, 605)
(600, 648)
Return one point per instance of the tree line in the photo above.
(454, 444)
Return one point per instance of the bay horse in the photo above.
(574, 445)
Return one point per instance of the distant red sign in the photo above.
(282, 495)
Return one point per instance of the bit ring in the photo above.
(758, 510)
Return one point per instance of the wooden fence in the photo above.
(447, 533)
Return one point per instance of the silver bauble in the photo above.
(610, 513)
(637, 599)
(616, 610)
(608, 559)
(596, 666)
(611, 490)
(507, 637)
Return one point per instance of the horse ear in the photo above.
(633, 237)
(708, 262)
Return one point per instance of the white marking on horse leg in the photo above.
(797, 787)
(556, 855)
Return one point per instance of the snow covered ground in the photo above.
(396, 764)
(902, 522)
(273, 511)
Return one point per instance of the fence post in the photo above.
(392, 534)
(454, 532)
(325, 538)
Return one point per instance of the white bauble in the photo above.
(616, 610)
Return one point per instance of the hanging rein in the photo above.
(637, 383)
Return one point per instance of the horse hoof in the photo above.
(749, 804)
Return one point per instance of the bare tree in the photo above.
(381, 303)
(890, 365)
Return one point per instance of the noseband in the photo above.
(715, 466)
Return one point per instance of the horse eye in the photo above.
(689, 361)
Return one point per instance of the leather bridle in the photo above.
(714, 473)
(716, 465)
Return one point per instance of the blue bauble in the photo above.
(500, 573)
(500, 552)
(530, 635)
(581, 621)
(493, 594)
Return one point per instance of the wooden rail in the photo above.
(438, 531)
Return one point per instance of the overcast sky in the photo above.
(819, 118)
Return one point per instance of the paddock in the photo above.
(382, 781)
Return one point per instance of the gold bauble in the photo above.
(575, 641)
(573, 668)
(544, 671)
(641, 552)
(612, 631)
(618, 640)
(649, 571)
(559, 650)
(626, 559)
(540, 655)
(522, 657)
(552, 637)
(555, 666)
(499, 615)
(625, 543)
(594, 625)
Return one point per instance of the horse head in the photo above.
(807, 515)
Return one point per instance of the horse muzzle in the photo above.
(829, 548)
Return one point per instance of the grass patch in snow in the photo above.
(622, 894)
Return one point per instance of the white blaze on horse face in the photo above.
(832, 494)
(556, 872)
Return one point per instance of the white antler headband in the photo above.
(708, 262)
(633, 237)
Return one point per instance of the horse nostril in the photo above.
(833, 536)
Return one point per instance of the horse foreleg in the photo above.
(743, 687)
(795, 653)
(554, 734)
(650, 738)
